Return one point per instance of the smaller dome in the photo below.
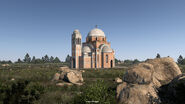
(96, 32)
(76, 31)
(106, 49)
(86, 49)
(76, 34)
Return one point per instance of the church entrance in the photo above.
(74, 63)
(111, 63)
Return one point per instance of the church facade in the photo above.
(96, 52)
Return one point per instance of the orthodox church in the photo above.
(96, 52)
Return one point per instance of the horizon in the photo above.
(135, 29)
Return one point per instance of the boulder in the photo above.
(4, 65)
(140, 74)
(142, 81)
(165, 69)
(74, 77)
(56, 77)
(118, 80)
(174, 92)
(137, 94)
(119, 89)
(83, 71)
(63, 84)
(12, 79)
(64, 69)
(68, 75)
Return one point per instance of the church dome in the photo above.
(96, 33)
(106, 49)
(86, 49)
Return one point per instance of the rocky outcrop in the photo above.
(165, 69)
(139, 74)
(141, 82)
(74, 77)
(68, 76)
(118, 80)
(174, 92)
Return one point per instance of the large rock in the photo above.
(138, 94)
(68, 75)
(63, 84)
(142, 81)
(165, 69)
(64, 69)
(174, 92)
(118, 80)
(74, 77)
(140, 74)
(56, 77)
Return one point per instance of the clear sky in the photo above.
(136, 28)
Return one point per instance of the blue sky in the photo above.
(136, 28)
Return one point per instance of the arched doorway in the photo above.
(74, 63)
(111, 63)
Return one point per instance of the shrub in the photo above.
(23, 92)
(97, 92)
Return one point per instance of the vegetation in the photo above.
(32, 84)
(34, 60)
(158, 56)
(181, 60)
(98, 92)
(28, 81)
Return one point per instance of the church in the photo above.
(96, 52)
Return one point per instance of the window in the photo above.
(106, 58)
(78, 41)
(89, 54)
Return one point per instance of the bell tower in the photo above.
(76, 49)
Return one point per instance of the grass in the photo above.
(43, 73)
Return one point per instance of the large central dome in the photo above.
(96, 33)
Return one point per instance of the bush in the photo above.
(97, 92)
(22, 92)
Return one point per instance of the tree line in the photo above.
(51, 59)
(34, 60)
(181, 60)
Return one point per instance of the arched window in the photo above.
(106, 58)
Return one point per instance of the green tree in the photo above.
(19, 60)
(136, 61)
(37, 61)
(6, 62)
(158, 56)
(56, 60)
(43, 60)
(51, 59)
(46, 59)
(117, 61)
(68, 59)
(33, 60)
(180, 59)
(27, 58)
